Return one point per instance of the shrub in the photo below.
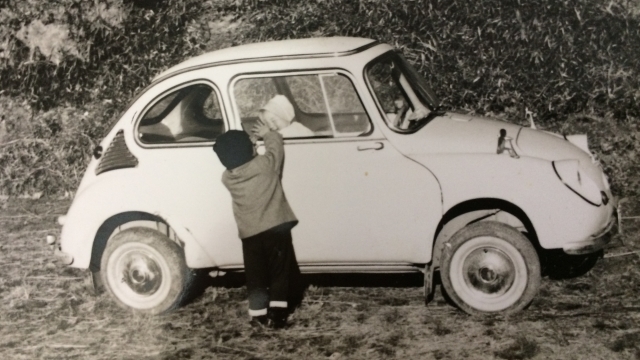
(556, 58)
(573, 63)
(74, 52)
(47, 152)
(66, 68)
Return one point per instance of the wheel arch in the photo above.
(122, 221)
(484, 209)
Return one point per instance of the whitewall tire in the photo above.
(490, 267)
(145, 271)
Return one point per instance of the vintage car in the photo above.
(386, 181)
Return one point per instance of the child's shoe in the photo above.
(259, 321)
(278, 317)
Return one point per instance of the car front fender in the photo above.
(557, 214)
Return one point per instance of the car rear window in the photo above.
(189, 114)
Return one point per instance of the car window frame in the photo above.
(140, 115)
(237, 120)
(372, 93)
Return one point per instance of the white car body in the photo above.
(373, 202)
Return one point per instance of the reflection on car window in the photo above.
(403, 95)
(348, 114)
(251, 94)
(325, 105)
(190, 114)
(307, 93)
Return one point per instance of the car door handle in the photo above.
(374, 146)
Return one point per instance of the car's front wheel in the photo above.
(490, 267)
(145, 271)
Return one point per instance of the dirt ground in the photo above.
(49, 311)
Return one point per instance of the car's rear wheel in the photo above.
(490, 267)
(145, 271)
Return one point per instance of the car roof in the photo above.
(282, 49)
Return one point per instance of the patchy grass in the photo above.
(50, 311)
(521, 348)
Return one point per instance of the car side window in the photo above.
(324, 105)
(189, 114)
(348, 114)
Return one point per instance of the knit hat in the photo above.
(280, 106)
(234, 148)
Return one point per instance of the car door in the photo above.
(182, 173)
(359, 201)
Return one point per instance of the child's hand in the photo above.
(260, 129)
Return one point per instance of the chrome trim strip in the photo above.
(347, 268)
(270, 58)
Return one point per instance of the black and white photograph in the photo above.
(321, 179)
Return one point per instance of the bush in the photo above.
(53, 151)
(66, 68)
(573, 63)
(75, 52)
(556, 58)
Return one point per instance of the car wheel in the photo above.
(145, 271)
(490, 267)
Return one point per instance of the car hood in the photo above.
(455, 134)
(467, 134)
(549, 146)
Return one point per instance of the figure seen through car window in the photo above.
(278, 115)
(406, 114)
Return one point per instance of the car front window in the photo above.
(407, 102)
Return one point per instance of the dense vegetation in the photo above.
(67, 68)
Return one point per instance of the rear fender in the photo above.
(93, 208)
(117, 223)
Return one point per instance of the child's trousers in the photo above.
(270, 262)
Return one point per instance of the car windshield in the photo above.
(405, 98)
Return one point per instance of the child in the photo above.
(278, 114)
(264, 220)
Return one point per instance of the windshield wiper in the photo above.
(438, 111)
(418, 123)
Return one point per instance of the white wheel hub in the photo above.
(138, 275)
(488, 273)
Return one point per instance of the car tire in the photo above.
(490, 267)
(145, 271)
